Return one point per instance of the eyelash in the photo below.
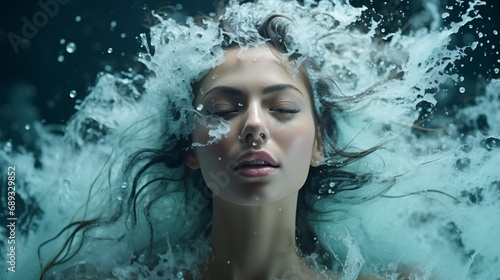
(286, 110)
(221, 113)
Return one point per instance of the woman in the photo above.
(280, 114)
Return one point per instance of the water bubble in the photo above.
(62, 41)
(112, 25)
(60, 58)
(66, 182)
(254, 144)
(78, 18)
(240, 105)
(214, 76)
(178, 7)
(72, 93)
(199, 107)
(462, 78)
(7, 147)
(123, 35)
(257, 198)
(110, 50)
(71, 47)
(27, 126)
(495, 32)
(228, 262)
(124, 185)
(496, 70)
(462, 89)
(480, 34)
(279, 209)
(445, 15)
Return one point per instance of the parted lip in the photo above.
(256, 155)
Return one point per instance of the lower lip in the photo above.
(257, 171)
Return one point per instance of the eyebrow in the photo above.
(237, 91)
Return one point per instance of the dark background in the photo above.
(34, 85)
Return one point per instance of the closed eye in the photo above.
(222, 111)
(285, 110)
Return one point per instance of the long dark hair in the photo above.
(324, 182)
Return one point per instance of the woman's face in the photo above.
(272, 141)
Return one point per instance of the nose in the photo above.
(254, 132)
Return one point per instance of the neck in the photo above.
(254, 242)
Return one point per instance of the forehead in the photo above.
(259, 66)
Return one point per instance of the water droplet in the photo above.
(199, 107)
(71, 47)
(62, 41)
(27, 126)
(60, 58)
(123, 35)
(8, 147)
(445, 15)
(110, 50)
(112, 25)
(462, 90)
(66, 182)
(78, 18)
(72, 94)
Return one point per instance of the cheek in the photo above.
(297, 143)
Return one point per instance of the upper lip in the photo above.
(257, 155)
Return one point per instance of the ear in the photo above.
(317, 157)
(191, 159)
